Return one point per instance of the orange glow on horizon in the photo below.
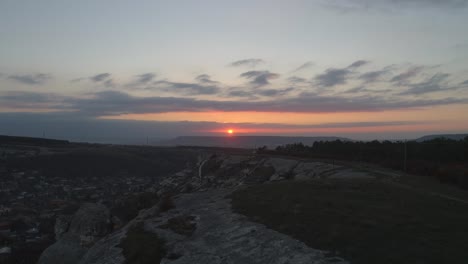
(437, 119)
(230, 131)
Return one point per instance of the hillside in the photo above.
(445, 136)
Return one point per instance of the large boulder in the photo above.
(90, 223)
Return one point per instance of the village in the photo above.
(30, 202)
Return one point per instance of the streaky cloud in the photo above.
(205, 78)
(107, 103)
(304, 66)
(358, 64)
(251, 63)
(297, 80)
(100, 77)
(436, 83)
(372, 76)
(145, 78)
(332, 77)
(31, 79)
(259, 78)
(407, 75)
(392, 5)
(186, 88)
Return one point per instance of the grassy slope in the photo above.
(363, 221)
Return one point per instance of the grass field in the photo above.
(364, 221)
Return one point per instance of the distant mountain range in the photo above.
(244, 141)
(446, 136)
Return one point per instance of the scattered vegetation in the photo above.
(128, 208)
(445, 159)
(364, 221)
(141, 246)
(166, 203)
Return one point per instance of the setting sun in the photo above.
(230, 131)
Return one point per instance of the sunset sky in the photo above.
(362, 69)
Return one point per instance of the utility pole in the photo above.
(405, 156)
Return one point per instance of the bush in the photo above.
(166, 203)
(128, 209)
(141, 246)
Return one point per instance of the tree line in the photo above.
(445, 159)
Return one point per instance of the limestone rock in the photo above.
(89, 224)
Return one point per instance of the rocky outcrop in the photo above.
(227, 171)
(202, 228)
(74, 236)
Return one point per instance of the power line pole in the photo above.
(405, 157)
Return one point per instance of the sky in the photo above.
(381, 69)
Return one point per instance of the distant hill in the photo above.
(446, 136)
(14, 140)
(244, 141)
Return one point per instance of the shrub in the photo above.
(141, 246)
(166, 203)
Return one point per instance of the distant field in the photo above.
(364, 221)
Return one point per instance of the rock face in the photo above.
(89, 224)
(61, 225)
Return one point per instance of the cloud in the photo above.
(363, 89)
(436, 83)
(23, 100)
(464, 83)
(31, 79)
(391, 5)
(103, 79)
(100, 77)
(259, 78)
(145, 78)
(358, 64)
(372, 76)
(274, 92)
(253, 94)
(116, 103)
(242, 93)
(247, 63)
(205, 78)
(187, 88)
(297, 80)
(304, 66)
(357, 89)
(405, 76)
(337, 76)
(332, 77)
